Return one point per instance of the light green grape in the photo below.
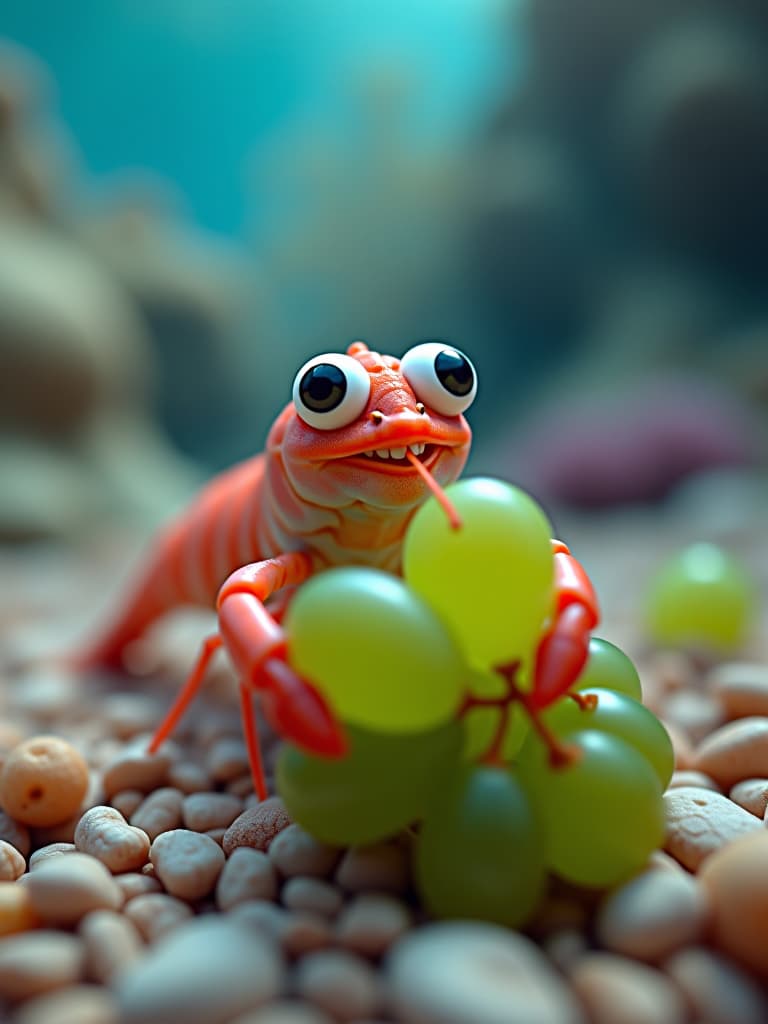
(491, 580)
(382, 785)
(480, 723)
(375, 650)
(603, 814)
(609, 668)
(620, 716)
(479, 852)
(701, 596)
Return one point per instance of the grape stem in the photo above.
(561, 755)
(585, 701)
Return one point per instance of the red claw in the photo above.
(561, 656)
(298, 712)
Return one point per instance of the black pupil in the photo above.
(454, 372)
(323, 387)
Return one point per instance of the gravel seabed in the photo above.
(171, 893)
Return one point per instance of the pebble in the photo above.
(112, 944)
(204, 811)
(15, 833)
(735, 752)
(691, 778)
(51, 850)
(736, 880)
(159, 812)
(12, 864)
(565, 947)
(16, 911)
(134, 883)
(38, 962)
(717, 991)
(615, 990)
(257, 826)
(189, 777)
(653, 915)
(127, 714)
(205, 972)
(64, 889)
(752, 795)
(134, 768)
(155, 914)
(127, 801)
(247, 875)
(382, 867)
(681, 744)
(77, 1004)
(468, 972)
(285, 1011)
(43, 781)
(104, 833)
(295, 852)
(227, 759)
(696, 712)
(187, 863)
(80, 1004)
(741, 688)
(297, 932)
(340, 983)
(312, 894)
(699, 822)
(371, 922)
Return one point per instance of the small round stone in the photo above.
(155, 914)
(38, 962)
(741, 688)
(616, 990)
(343, 985)
(699, 822)
(206, 972)
(159, 812)
(737, 883)
(295, 852)
(187, 863)
(43, 781)
(371, 922)
(204, 811)
(104, 833)
(247, 875)
(112, 944)
(653, 915)
(78, 1004)
(12, 864)
(51, 850)
(698, 780)
(134, 768)
(380, 866)
(752, 795)
(466, 972)
(257, 826)
(718, 991)
(64, 889)
(735, 752)
(314, 895)
(227, 759)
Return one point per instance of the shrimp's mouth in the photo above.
(396, 457)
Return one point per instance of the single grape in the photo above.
(609, 668)
(479, 852)
(701, 596)
(375, 650)
(603, 814)
(381, 786)
(490, 580)
(620, 716)
(481, 723)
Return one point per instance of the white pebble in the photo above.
(698, 822)
(247, 875)
(187, 863)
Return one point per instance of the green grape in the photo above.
(375, 650)
(603, 815)
(701, 596)
(480, 723)
(620, 716)
(490, 580)
(480, 849)
(609, 668)
(381, 786)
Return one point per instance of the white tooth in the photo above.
(369, 454)
(383, 453)
(417, 449)
(397, 453)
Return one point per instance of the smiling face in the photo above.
(354, 417)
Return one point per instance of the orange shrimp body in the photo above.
(313, 491)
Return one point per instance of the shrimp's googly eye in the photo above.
(441, 376)
(331, 391)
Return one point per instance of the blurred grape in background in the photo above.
(195, 197)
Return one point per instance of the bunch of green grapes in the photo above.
(436, 740)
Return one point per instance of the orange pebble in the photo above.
(16, 911)
(736, 881)
(43, 781)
